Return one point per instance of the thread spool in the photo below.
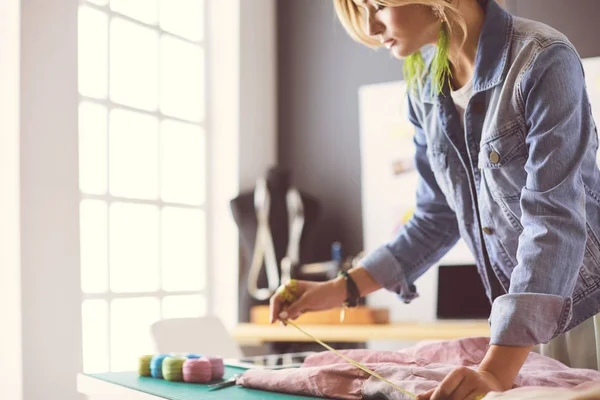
(194, 356)
(197, 370)
(156, 364)
(217, 366)
(172, 368)
(144, 365)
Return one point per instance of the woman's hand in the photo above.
(464, 384)
(311, 296)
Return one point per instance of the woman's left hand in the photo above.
(463, 384)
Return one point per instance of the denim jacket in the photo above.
(520, 182)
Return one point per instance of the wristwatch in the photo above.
(353, 294)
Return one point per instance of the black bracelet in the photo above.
(352, 289)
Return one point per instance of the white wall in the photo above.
(242, 127)
(51, 290)
(11, 371)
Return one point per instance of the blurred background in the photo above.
(132, 136)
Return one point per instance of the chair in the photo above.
(207, 336)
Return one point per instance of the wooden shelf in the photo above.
(439, 330)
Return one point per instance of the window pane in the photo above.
(183, 159)
(95, 336)
(92, 148)
(130, 321)
(133, 248)
(94, 246)
(141, 10)
(184, 306)
(181, 79)
(92, 50)
(133, 64)
(133, 155)
(183, 249)
(183, 17)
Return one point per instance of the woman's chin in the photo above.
(401, 52)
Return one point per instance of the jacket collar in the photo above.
(492, 51)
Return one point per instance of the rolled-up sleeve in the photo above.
(552, 245)
(424, 240)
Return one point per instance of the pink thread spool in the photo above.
(218, 368)
(198, 370)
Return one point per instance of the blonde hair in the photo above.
(351, 17)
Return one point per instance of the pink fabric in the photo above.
(416, 369)
(585, 391)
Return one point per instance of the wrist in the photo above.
(504, 363)
(493, 382)
(340, 289)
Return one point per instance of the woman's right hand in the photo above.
(311, 296)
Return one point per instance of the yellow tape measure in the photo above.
(288, 293)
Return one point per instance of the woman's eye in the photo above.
(379, 7)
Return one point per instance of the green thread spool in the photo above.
(173, 368)
(144, 365)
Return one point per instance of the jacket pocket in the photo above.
(501, 160)
(499, 149)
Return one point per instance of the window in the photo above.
(142, 165)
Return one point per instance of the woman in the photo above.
(506, 155)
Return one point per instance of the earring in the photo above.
(441, 63)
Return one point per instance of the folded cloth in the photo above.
(417, 369)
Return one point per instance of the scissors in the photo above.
(226, 383)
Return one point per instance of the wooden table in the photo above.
(252, 334)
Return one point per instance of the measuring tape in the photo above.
(351, 361)
(288, 293)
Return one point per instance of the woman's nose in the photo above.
(374, 27)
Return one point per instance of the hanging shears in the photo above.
(264, 250)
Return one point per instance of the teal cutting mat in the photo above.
(187, 391)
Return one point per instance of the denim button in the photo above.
(488, 231)
(494, 157)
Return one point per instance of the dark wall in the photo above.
(320, 70)
(578, 19)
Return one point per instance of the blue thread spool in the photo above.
(193, 356)
(156, 365)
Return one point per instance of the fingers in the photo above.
(296, 309)
(284, 296)
(446, 390)
(426, 395)
(276, 307)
